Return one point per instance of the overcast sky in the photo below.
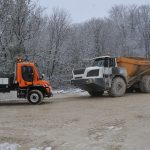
(81, 10)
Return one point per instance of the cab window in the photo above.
(109, 62)
(98, 62)
(104, 62)
(27, 73)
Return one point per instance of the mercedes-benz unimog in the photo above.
(27, 82)
(114, 75)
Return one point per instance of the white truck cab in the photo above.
(101, 66)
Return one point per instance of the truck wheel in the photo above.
(35, 97)
(118, 87)
(96, 94)
(145, 84)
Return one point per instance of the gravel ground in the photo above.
(77, 122)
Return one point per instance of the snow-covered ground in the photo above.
(8, 96)
(67, 91)
(13, 95)
(71, 91)
(7, 146)
(41, 148)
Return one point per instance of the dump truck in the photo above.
(116, 75)
(27, 82)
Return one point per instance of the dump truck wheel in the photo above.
(145, 84)
(35, 97)
(118, 87)
(96, 94)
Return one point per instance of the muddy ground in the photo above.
(78, 122)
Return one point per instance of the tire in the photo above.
(96, 94)
(35, 97)
(145, 84)
(118, 87)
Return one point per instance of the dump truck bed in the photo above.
(134, 65)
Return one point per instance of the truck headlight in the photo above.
(92, 73)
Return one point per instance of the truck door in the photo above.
(108, 64)
(27, 73)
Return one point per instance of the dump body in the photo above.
(134, 66)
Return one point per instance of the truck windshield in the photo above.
(104, 62)
(27, 73)
(98, 62)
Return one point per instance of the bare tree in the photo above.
(144, 27)
(25, 21)
(19, 22)
(57, 29)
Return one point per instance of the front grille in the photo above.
(78, 71)
(93, 73)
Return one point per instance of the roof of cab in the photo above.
(101, 57)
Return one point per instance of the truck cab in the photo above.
(29, 84)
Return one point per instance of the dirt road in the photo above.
(78, 122)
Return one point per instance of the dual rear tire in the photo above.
(145, 84)
(118, 88)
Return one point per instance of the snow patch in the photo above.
(67, 91)
(7, 146)
(111, 127)
(114, 128)
(35, 148)
(117, 129)
(40, 148)
(48, 148)
(71, 91)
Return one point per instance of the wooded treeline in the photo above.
(58, 45)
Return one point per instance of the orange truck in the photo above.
(114, 75)
(27, 82)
